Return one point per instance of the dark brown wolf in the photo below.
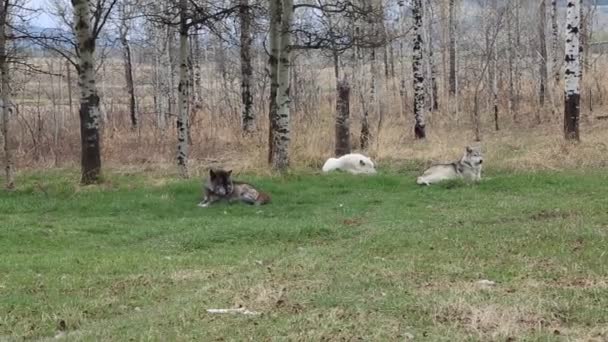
(220, 186)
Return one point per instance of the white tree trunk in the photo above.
(573, 71)
(555, 41)
(90, 115)
(510, 59)
(495, 80)
(197, 95)
(452, 47)
(5, 93)
(281, 135)
(183, 93)
(542, 65)
(247, 115)
(276, 9)
(417, 67)
(432, 69)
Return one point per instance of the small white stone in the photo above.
(486, 282)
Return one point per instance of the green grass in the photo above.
(334, 257)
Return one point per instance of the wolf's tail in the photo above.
(331, 164)
(263, 198)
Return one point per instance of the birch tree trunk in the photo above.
(5, 92)
(582, 37)
(419, 110)
(573, 72)
(90, 114)
(247, 116)
(432, 72)
(510, 54)
(372, 107)
(68, 71)
(495, 80)
(183, 92)
(196, 68)
(518, 57)
(128, 65)
(276, 8)
(493, 56)
(343, 119)
(555, 41)
(542, 65)
(452, 48)
(281, 136)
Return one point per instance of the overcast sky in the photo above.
(42, 19)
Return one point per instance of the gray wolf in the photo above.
(220, 186)
(468, 167)
(354, 163)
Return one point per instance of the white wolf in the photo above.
(354, 163)
(468, 167)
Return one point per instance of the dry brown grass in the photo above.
(217, 141)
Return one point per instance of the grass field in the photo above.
(332, 258)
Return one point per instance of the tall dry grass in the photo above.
(46, 133)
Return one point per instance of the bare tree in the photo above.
(183, 88)
(342, 119)
(282, 134)
(5, 93)
(87, 30)
(542, 65)
(276, 10)
(555, 41)
(572, 73)
(417, 56)
(125, 9)
(452, 47)
(247, 116)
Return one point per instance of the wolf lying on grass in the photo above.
(468, 167)
(220, 186)
(354, 163)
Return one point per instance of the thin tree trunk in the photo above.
(572, 73)
(68, 69)
(555, 41)
(276, 9)
(183, 88)
(542, 91)
(582, 38)
(419, 110)
(128, 65)
(343, 118)
(5, 92)
(281, 136)
(90, 115)
(365, 129)
(247, 116)
(452, 47)
(434, 95)
(518, 58)
(196, 67)
(510, 53)
(495, 83)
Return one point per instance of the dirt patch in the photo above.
(493, 321)
(186, 275)
(352, 222)
(552, 214)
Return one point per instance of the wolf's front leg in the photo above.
(208, 200)
(478, 176)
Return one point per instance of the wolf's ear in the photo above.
(211, 173)
(469, 149)
(228, 173)
(361, 162)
